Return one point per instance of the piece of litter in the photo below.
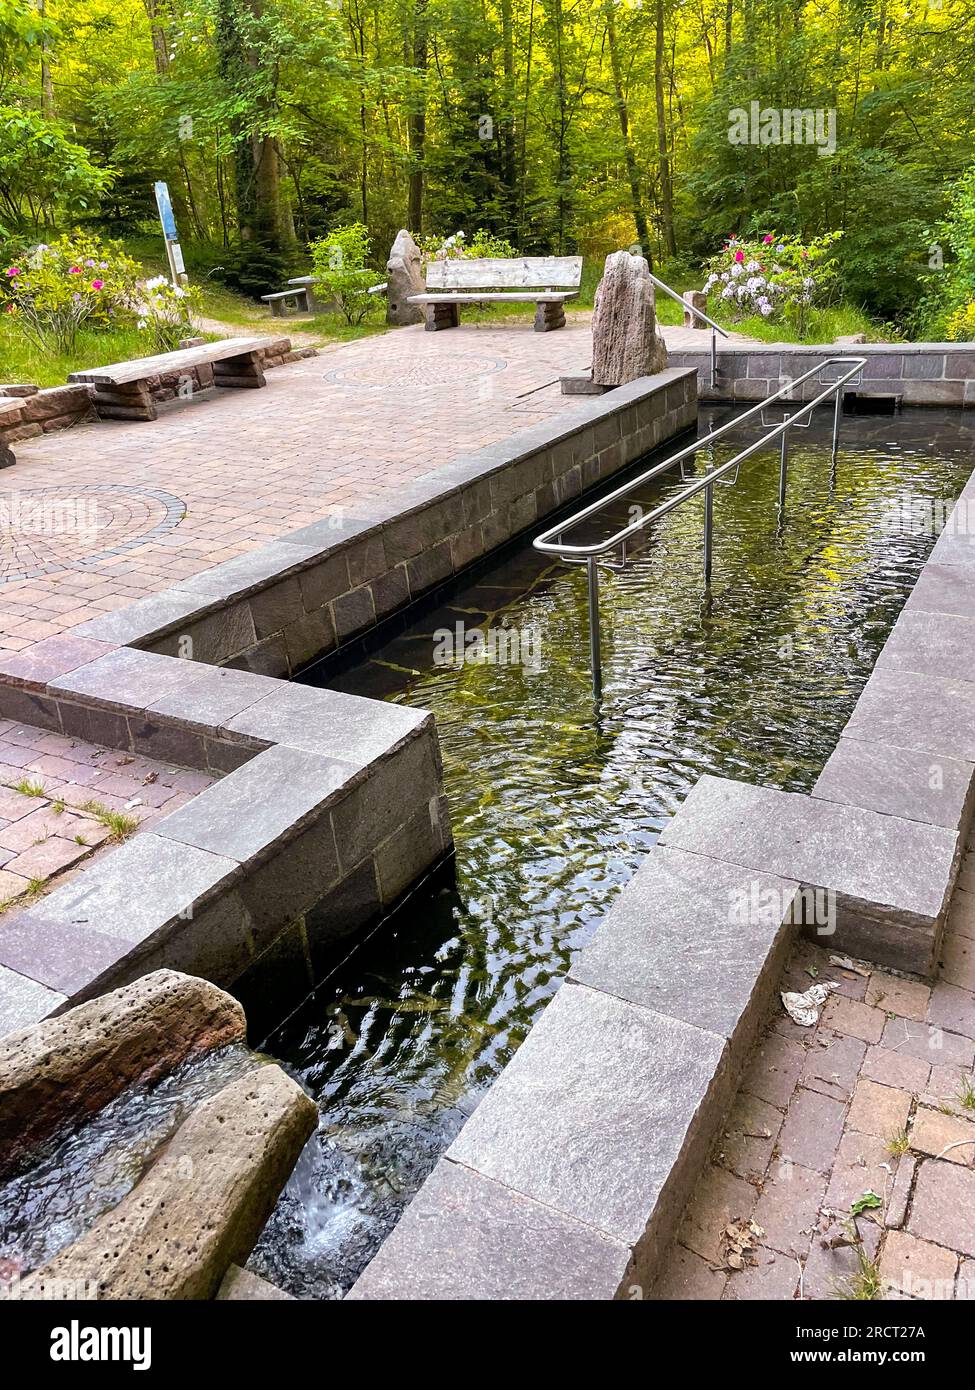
(136, 801)
(845, 963)
(804, 1008)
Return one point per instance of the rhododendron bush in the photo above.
(51, 290)
(776, 277)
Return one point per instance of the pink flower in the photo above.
(74, 270)
(767, 239)
(97, 284)
(739, 256)
(13, 270)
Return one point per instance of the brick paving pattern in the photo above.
(213, 478)
(54, 793)
(878, 1097)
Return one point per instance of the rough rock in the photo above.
(625, 344)
(695, 299)
(404, 276)
(201, 1206)
(63, 1069)
(243, 1285)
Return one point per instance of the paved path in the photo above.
(95, 517)
(878, 1098)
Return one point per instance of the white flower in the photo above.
(142, 323)
(155, 282)
(753, 266)
(765, 309)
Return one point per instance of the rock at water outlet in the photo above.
(404, 276)
(625, 343)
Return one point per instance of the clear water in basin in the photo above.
(553, 806)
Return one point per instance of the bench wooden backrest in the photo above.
(139, 368)
(517, 273)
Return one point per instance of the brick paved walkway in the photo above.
(878, 1097)
(106, 513)
(59, 799)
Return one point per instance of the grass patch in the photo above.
(966, 1096)
(120, 825)
(28, 788)
(864, 1286)
(898, 1144)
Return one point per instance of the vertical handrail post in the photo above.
(595, 645)
(837, 412)
(714, 360)
(783, 468)
(708, 529)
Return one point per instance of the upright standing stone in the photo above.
(404, 276)
(625, 344)
(695, 299)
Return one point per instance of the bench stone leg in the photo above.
(245, 370)
(548, 315)
(441, 316)
(7, 459)
(132, 401)
(277, 308)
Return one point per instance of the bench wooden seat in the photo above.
(279, 300)
(122, 388)
(545, 281)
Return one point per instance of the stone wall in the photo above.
(920, 373)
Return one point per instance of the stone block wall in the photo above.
(934, 374)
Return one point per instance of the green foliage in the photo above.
(42, 172)
(52, 290)
(341, 272)
(948, 309)
(482, 245)
(256, 267)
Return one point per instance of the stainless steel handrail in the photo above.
(698, 314)
(550, 542)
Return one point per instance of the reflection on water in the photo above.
(553, 808)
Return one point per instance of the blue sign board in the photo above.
(166, 212)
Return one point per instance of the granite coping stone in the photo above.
(24, 1001)
(466, 1237)
(207, 703)
(268, 801)
(64, 956)
(146, 618)
(900, 866)
(900, 782)
(694, 939)
(597, 1111)
(127, 679)
(145, 885)
(930, 714)
(55, 656)
(944, 589)
(307, 718)
(936, 644)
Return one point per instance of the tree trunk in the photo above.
(666, 183)
(632, 172)
(417, 120)
(47, 85)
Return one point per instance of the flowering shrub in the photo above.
(164, 313)
(52, 290)
(776, 277)
(482, 245)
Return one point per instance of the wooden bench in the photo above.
(545, 281)
(122, 389)
(279, 301)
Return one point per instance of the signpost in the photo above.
(174, 252)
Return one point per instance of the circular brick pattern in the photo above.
(47, 529)
(425, 373)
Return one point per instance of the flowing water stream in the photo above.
(554, 805)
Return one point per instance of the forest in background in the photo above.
(558, 126)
